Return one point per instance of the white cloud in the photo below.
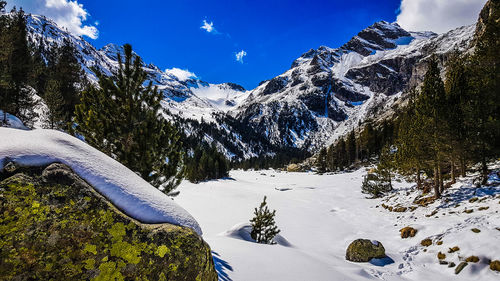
(66, 13)
(182, 74)
(240, 55)
(208, 26)
(438, 15)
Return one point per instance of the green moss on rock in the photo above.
(363, 250)
(54, 226)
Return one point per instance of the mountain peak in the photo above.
(381, 35)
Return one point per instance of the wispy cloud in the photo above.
(66, 13)
(181, 74)
(209, 27)
(438, 15)
(240, 55)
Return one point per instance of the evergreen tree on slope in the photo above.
(483, 110)
(123, 118)
(430, 112)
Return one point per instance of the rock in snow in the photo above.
(363, 250)
(126, 190)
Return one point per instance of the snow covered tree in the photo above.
(123, 118)
(264, 227)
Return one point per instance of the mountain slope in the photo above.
(324, 94)
(328, 91)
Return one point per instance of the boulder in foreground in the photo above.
(55, 224)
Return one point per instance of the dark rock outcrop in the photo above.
(379, 36)
(54, 225)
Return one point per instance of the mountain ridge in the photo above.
(324, 94)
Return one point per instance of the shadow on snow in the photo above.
(221, 266)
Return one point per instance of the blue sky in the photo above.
(266, 36)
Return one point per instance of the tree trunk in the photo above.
(462, 166)
(440, 179)
(453, 179)
(484, 171)
(419, 180)
(437, 194)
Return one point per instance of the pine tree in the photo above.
(39, 75)
(412, 142)
(429, 111)
(264, 228)
(321, 163)
(55, 103)
(341, 156)
(16, 62)
(457, 96)
(123, 118)
(330, 158)
(368, 141)
(206, 163)
(483, 110)
(5, 50)
(67, 70)
(351, 148)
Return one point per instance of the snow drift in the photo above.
(126, 190)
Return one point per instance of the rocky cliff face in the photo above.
(490, 11)
(54, 225)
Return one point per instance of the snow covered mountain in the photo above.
(179, 92)
(324, 94)
(327, 92)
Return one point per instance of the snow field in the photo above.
(319, 215)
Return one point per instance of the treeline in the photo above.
(205, 163)
(278, 160)
(360, 145)
(447, 127)
(450, 126)
(53, 72)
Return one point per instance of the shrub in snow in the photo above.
(376, 184)
(495, 265)
(264, 228)
(407, 232)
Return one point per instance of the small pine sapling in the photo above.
(264, 228)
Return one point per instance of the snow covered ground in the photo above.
(319, 215)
